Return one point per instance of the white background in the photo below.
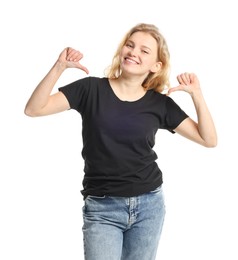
(41, 169)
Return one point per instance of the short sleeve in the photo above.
(77, 93)
(174, 115)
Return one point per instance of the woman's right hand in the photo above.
(69, 58)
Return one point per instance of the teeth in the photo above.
(132, 61)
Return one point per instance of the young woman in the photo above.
(121, 113)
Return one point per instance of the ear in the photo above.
(157, 66)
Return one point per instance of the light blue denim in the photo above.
(123, 228)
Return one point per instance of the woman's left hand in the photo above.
(188, 82)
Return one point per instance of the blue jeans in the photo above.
(123, 228)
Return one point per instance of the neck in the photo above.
(127, 89)
(129, 85)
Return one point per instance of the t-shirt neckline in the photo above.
(125, 101)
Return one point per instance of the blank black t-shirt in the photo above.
(118, 137)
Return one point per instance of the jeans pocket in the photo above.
(95, 197)
(157, 190)
(94, 204)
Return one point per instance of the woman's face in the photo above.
(139, 55)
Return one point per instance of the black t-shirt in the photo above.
(118, 137)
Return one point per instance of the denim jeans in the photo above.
(123, 228)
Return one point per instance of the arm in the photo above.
(41, 101)
(203, 131)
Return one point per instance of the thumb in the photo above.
(80, 66)
(174, 89)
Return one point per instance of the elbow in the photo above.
(26, 112)
(29, 112)
(212, 143)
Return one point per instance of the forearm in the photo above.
(206, 127)
(41, 94)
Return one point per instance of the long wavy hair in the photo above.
(158, 81)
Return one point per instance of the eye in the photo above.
(129, 45)
(145, 51)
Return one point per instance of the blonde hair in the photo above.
(158, 81)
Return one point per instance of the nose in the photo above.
(133, 52)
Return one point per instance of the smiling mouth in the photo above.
(131, 61)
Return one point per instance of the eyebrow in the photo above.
(146, 47)
(143, 46)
